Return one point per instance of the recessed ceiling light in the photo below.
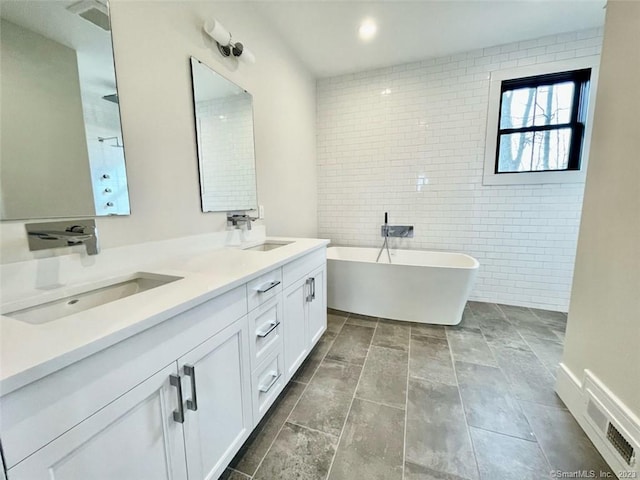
(368, 29)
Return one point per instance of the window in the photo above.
(542, 122)
(538, 123)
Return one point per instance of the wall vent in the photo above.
(617, 431)
(621, 444)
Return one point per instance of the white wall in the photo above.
(376, 150)
(152, 44)
(603, 331)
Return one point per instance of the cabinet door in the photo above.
(296, 339)
(133, 438)
(317, 313)
(216, 385)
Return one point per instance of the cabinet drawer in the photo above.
(263, 288)
(267, 382)
(265, 329)
(297, 269)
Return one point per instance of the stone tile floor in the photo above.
(378, 399)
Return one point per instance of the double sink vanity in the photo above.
(154, 360)
(161, 373)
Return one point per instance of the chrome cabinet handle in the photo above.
(190, 371)
(313, 288)
(310, 296)
(269, 287)
(276, 376)
(178, 415)
(272, 325)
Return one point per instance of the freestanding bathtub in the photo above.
(418, 286)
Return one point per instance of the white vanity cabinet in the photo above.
(305, 308)
(134, 437)
(216, 393)
(177, 400)
(185, 421)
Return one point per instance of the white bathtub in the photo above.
(418, 286)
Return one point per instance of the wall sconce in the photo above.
(226, 45)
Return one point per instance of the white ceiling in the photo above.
(324, 34)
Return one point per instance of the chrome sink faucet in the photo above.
(235, 219)
(63, 234)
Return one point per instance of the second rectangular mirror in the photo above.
(224, 132)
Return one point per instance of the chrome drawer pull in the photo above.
(310, 296)
(272, 325)
(178, 415)
(269, 286)
(190, 371)
(276, 376)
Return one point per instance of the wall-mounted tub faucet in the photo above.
(386, 231)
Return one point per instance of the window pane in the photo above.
(517, 109)
(515, 152)
(553, 103)
(551, 150)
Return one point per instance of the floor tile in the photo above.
(384, 377)
(483, 310)
(562, 440)
(508, 458)
(527, 323)
(528, 377)
(430, 359)
(437, 331)
(229, 474)
(419, 472)
(322, 409)
(468, 318)
(488, 402)
(309, 366)
(558, 319)
(498, 332)
(392, 335)
(362, 320)
(298, 453)
(371, 445)
(549, 352)
(335, 323)
(469, 345)
(351, 344)
(437, 435)
(337, 375)
(339, 313)
(255, 448)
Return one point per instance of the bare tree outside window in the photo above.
(539, 121)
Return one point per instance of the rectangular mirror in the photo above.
(62, 149)
(224, 132)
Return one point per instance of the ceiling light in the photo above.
(367, 30)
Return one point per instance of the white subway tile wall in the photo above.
(226, 153)
(409, 140)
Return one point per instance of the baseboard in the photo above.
(595, 407)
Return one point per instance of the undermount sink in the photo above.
(63, 307)
(266, 246)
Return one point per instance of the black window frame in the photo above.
(581, 79)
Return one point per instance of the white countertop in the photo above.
(29, 352)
